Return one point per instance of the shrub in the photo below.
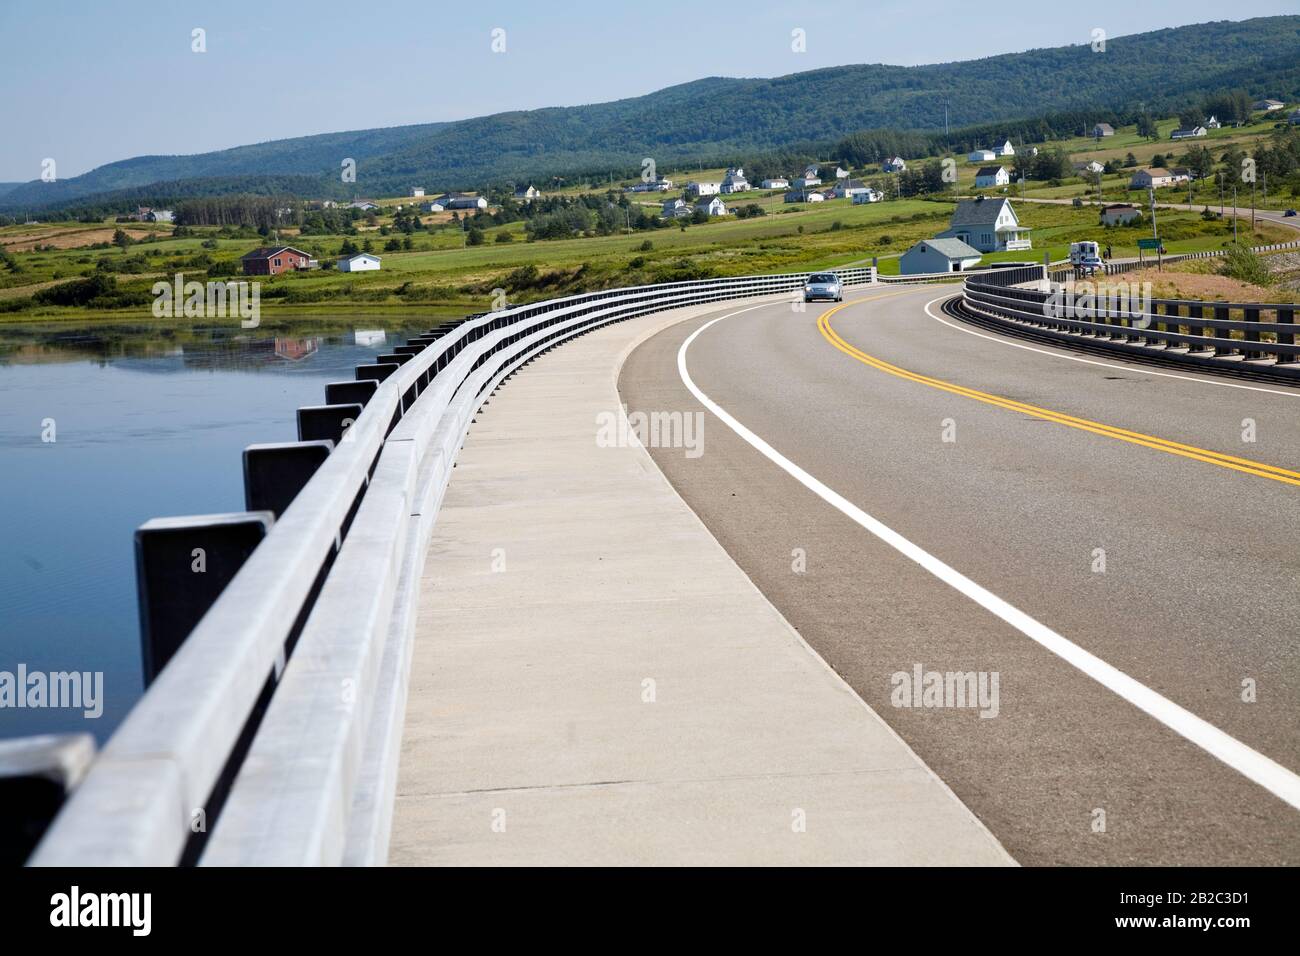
(78, 291)
(1241, 262)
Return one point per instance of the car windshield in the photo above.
(822, 278)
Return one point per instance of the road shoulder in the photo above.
(595, 680)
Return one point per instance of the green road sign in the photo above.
(1148, 243)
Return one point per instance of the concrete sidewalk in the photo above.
(595, 681)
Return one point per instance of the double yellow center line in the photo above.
(1258, 469)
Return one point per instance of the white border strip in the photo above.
(1269, 774)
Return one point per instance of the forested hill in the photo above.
(714, 118)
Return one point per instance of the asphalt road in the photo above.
(1199, 591)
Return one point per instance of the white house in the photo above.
(734, 181)
(660, 185)
(775, 183)
(362, 263)
(1006, 149)
(459, 201)
(675, 208)
(1213, 123)
(364, 204)
(1092, 168)
(992, 176)
(417, 191)
(799, 195)
(806, 182)
(866, 196)
(1188, 132)
(989, 225)
(895, 165)
(1268, 106)
(528, 193)
(1152, 178)
(703, 189)
(812, 171)
(1120, 214)
(937, 255)
(714, 207)
(979, 155)
(434, 206)
(1102, 129)
(850, 188)
(841, 173)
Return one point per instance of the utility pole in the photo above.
(1252, 209)
(1219, 176)
(1234, 214)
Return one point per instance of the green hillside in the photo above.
(718, 118)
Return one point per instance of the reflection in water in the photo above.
(147, 421)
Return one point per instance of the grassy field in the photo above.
(443, 275)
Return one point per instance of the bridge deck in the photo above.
(529, 737)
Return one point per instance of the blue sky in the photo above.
(87, 82)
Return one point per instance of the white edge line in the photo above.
(1269, 774)
(1077, 358)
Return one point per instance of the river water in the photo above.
(105, 427)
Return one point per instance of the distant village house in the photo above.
(272, 260)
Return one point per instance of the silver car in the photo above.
(825, 286)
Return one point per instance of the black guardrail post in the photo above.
(274, 473)
(346, 393)
(1285, 321)
(1252, 333)
(36, 775)
(181, 567)
(317, 422)
(1221, 314)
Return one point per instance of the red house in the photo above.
(271, 260)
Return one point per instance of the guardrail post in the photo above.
(377, 372)
(347, 393)
(181, 567)
(36, 775)
(1252, 334)
(1170, 311)
(1221, 314)
(275, 472)
(316, 422)
(1285, 319)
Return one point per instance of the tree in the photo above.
(1130, 160)
(1200, 161)
(121, 239)
(1146, 127)
(474, 237)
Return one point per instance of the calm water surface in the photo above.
(147, 423)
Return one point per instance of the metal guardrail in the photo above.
(948, 276)
(1184, 331)
(1119, 268)
(271, 735)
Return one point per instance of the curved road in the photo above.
(1146, 516)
